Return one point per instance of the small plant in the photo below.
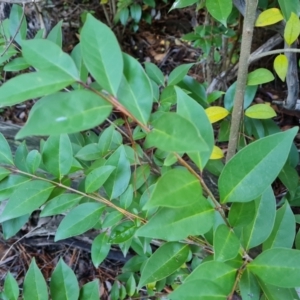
(147, 180)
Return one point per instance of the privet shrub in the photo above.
(144, 179)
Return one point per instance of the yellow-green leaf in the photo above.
(216, 113)
(217, 153)
(269, 17)
(259, 76)
(292, 29)
(281, 66)
(260, 111)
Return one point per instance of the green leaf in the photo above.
(79, 220)
(16, 64)
(192, 111)
(155, 73)
(33, 161)
(122, 232)
(5, 152)
(173, 224)
(17, 24)
(292, 29)
(90, 291)
(226, 244)
(183, 3)
(63, 284)
(55, 35)
(140, 176)
(57, 155)
(102, 54)
(77, 57)
(89, 152)
(135, 91)
(136, 13)
(199, 289)
(260, 227)
(20, 88)
(66, 113)
(11, 288)
(12, 226)
(95, 179)
(131, 286)
(178, 74)
(259, 76)
(289, 6)
(277, 293)
(172, 132)
(283, 233)
(3, 173)
(277, 266)
(26, 198)
(100, 249)
(46, 55)
(119, 179)
(165, 260)
(175, 188)
(241, 214)
(35, 286)
(219, 9)
(260, 111)
(262, 161)
(249, 286)
(60, 204)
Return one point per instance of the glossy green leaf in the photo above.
(79, 220)
(289, 6)
(3, 173)
(283, 233)
(155, 73)
(60, 204)
(5, 152)
(140, 176)
(90, 291)
(119, 179)
(277, 266)
(175, 188)
(89, 152)
(259, 76)
(241, 214)
(63, 284)
(16, 64)
(122, 232)
(45, 82)
(290, 178)
(33, 161)
(100, 249)
(262, 161)
(55, 35)
(221, 274)
(260, 227)
(183, 3)
(10, 184)
(17, 24)
(57, 155)
(249, 286)
(199, 289)
(95, 179)
(192, 111)
(275, 292)
(135, 91)
(178, 73)
(102, 54)
(226, 244)
(112, 219)
(26, 198)
(172, 132)
(165, 260)
(173, 224)
(131, 286)
(20, 157)
(35, 286)
(46, 55)
(219, 9)
(77, 57)
(12, 226)
(66, 113)
(136, 12)
(10, 287)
